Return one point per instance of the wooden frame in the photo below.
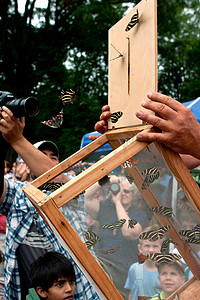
(48, 206)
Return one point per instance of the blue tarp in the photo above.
(194, 106)
(85, 141)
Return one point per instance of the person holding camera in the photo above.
(28, 236)
(117, 207)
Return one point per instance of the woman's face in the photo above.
(126, 194)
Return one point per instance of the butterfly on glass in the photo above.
(134, 20)
(165, 244)
(67, 96)
(132, 223)
(55, 122)
(115, 225)
(162, 210)
(108, 251)
(115, 116)
(159, 258)
(91, 236)
(150, 174)
(154, 235)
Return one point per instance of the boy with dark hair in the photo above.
(53, 277)
(171, 277)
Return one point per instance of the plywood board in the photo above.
(190, 290)
(133, 73)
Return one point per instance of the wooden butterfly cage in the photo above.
(163, 192)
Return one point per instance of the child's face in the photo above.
(62, 289)
(170, 279)
(146, 247)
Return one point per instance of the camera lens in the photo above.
(115, 188)
(31, 106)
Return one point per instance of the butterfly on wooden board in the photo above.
(133, 21)
(166, 212)
(114, 117)
(107, 251)
(165, 244)
(50, 186)
(132, 223)
(159, 258)
(150, 175)
(67, 96)
(154, 235)
(116, 225)
(56, 121)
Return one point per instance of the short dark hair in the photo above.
(50, 267)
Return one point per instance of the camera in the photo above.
(115, 188)
(20, 107)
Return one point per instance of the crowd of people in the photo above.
(113, 210)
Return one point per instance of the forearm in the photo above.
(190, 161)
(37, 161)
(127, 232)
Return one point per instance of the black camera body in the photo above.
(21, 107)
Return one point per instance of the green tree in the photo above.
(38, 44)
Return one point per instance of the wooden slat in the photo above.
(80, 251)
(183, 176)
(189, 291)
(70, 161)
(101, 168)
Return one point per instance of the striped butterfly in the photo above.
(132, 223)
(50, 186)
(91, 236)
(159, 258)
(162, 210)
(55, 122)
(150, 174)
(67, 96)
(134, 20)
(154, 235)
(165, 244)
(115, 225)
(193, 241)
(108, 251)
(115, 116)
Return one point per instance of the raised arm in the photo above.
(12, 132)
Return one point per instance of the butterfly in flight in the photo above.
(134, 20)
(115, 116)
(67, 96)
(162, 210)
(55, 122)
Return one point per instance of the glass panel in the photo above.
(111, 216)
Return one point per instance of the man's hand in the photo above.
(10, 126)
(179, 129)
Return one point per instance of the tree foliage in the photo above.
(65, 46)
